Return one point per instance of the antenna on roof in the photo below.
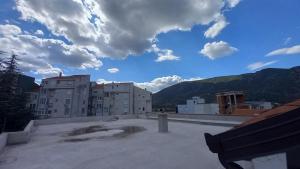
(60, 74)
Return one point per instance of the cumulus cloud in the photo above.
(156, 84)
(216, 28)
(8, 30)
(94, 29)
(216, 50)
(103, 81)
(39, 32)
(233, 3)
(160, 83)
(113, 70)
(259, 65)
(286, 51)
(164, 54)
(114, 29)
(39, 55)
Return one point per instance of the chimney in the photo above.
(60, 74)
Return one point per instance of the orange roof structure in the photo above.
(273, 112)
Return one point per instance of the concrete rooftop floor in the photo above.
(183, 147)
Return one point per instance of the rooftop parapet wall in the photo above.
(3, 141)
(20, 137)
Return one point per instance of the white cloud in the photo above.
(233, 3)
(216, 50)
(287, 40)
(8, 30)
(160, 83)
(163, 54)
(286, 51)
(94, 29)
(156, 84)
(103, 81)
(258, 65)
(39, 55)
(113, 70)
(39, 32)
(109, 28)
(216, 28)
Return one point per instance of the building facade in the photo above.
(119, 99)
(64, 96)
(76, 96)
(197, 105)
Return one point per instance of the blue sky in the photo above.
(256, 35)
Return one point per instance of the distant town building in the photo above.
(233, 103)
(119, 99)
(197, 105)
(75, 96)
(64, 96)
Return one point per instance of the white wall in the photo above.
(198, 109)
(3, 141)
(277, 161)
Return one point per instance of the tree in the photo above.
(13, 112)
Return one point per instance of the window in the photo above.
(83, 102)
(41, 111)
(58, 81)
(67, 101)
(32, 106)
(67, 111)
(43, 101)
(49, 112)
(44, 91)
(106, 94)
(50, 105)
(82, 110)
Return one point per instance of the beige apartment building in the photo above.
(76, 96)
(119, 99)
(64, 96)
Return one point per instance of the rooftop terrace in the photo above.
(122, 144)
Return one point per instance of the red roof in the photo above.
(273, 112)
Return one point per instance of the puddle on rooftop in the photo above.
(101, 132)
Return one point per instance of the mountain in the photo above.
(272, 84)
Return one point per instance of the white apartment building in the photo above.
(64, 96)
(197, 105)
(119, 99)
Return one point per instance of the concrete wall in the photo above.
(198, 109)
(19, 137)
(276, 161)
(207, 117)
(3, 141)
(80, 119)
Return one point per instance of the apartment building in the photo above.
(64, 96)
(75, 96)
(119, 99)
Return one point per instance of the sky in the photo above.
(154, 43)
